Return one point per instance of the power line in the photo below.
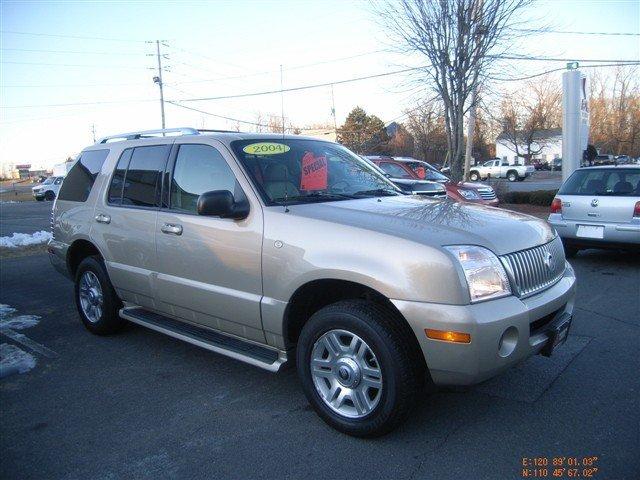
(85, 52)
(108, 102)
(304, 87)
(569, 32)
(546, 72)
(81, 37)
(555, 59)
(80, 65)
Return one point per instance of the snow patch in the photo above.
(25, 239)
(20, 322)
(5, 310)
(5, 202)
(14, 360)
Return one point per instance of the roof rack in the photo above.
(149, 133)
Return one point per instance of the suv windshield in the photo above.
(304, 171)
(49, 181)
(603, 181)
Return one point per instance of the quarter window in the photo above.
(82, 175)
(199, 169)
(117, 181)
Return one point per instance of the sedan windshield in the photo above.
(304, 171)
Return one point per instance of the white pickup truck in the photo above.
(500, 169)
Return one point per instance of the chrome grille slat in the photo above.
(528, 272)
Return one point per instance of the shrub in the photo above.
(537, 197)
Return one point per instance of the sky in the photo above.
(70, 67)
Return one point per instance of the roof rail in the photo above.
(149, 133)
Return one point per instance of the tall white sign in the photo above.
(575, 120)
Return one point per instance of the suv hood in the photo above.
(435, 222)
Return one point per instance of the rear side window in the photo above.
(136, 179)
(616, 182)
(77, 185)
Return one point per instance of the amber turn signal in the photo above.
(445, 336)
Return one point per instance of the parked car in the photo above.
(598, 207)
(541, 164)
(603, 160)
(404, 178)
(47, 190)
(624, 160)
(556, 165)
(460, 191)
(500, 169)
(264, 247)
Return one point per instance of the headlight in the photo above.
(485, 274)
(469, 194)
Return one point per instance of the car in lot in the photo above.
(556, 165)
(423, 171)
(405, 179)
(48, 189)
(598, 207)
(265, 247)
(541, 164)
(460, 191)
(497, 168)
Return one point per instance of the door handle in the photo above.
(172, 229)
(102, 218)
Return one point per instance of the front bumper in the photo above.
(38, 194)
(486, 322)
(613, 233)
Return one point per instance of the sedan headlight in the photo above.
(469, 194)
(485, 274)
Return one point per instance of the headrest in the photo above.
(623, 187)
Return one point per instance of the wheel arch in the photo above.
(78, 251)
(316, 294)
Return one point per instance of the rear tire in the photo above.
(50, 196)
(512, 176)
(96, 299)
(371, 357)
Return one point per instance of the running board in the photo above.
(252, 353)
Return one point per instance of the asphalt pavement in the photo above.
(24, 217)
(539, 180)
(143, 405)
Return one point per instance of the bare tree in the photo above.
(426, 124)
(614, 108)
(458, 38)
(528, 114)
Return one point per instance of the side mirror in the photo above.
(220, 203)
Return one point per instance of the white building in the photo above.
(548, 142)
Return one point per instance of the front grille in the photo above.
(535, 269)
(487, 193)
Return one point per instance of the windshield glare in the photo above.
(303, 171)
(48, 181)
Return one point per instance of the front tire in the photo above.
(474, 177)
(360, 367)
(96, 299)
(50, 196)
(512, 176)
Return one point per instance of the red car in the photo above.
(412, 168)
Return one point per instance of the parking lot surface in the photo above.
(24, 217)
(142, 405)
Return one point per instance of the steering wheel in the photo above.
(344, 182)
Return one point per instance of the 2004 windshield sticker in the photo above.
(266, 148)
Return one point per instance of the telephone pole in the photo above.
(471, 126)
(158, 80)
(93, 132)
(333, 112)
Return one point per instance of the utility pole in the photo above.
(333, 112)
(158, 80)
(471, 126)
(93, 132)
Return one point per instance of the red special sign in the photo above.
(314, 173)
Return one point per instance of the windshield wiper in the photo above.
(377, 192)
(318, 196)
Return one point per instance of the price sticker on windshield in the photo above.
(266, 148)
(314, 173)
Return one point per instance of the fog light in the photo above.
(508, 342)
(447, 336)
